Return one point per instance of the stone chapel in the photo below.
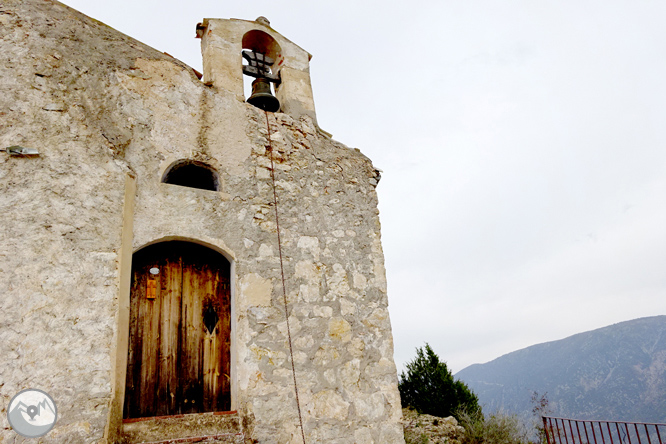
(180, 262)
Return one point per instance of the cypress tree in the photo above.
(429, 387)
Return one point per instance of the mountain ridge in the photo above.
(617, 372)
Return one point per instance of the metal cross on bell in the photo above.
(259, 66)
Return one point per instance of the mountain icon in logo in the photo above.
(32, 413)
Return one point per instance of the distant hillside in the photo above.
(613, 373)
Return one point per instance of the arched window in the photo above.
(193, 174)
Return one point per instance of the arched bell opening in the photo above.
(263, 57)
(192, 174)
(179, 358)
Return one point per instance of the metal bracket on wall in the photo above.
(16, 150)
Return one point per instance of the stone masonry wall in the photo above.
(101, 107)
(61, 212)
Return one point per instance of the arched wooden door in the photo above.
(179, 334)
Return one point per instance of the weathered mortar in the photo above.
(102, 108)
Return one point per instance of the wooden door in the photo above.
(179, 334)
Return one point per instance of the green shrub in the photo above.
(412, 438)
(429, 387)
(540, 408)
(498, 428)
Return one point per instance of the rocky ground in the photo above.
(428, 429)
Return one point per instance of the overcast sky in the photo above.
(523, 197)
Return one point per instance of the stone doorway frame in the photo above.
(114, 424)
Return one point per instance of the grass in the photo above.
(498, 428)
(412, 438)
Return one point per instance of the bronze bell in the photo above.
(261, 96)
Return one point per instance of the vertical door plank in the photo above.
(150, 321)
(191, 337)
(170, 300)
(132, 380)
(224, 340)
(216, 366)
(211, 362)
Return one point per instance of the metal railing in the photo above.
(574, 431)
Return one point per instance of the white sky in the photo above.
(522, 142)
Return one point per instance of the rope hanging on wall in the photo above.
(284, 287)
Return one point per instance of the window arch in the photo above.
(192, 174)
(260, 41)
(263, 53)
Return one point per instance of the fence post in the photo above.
(546, 431)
